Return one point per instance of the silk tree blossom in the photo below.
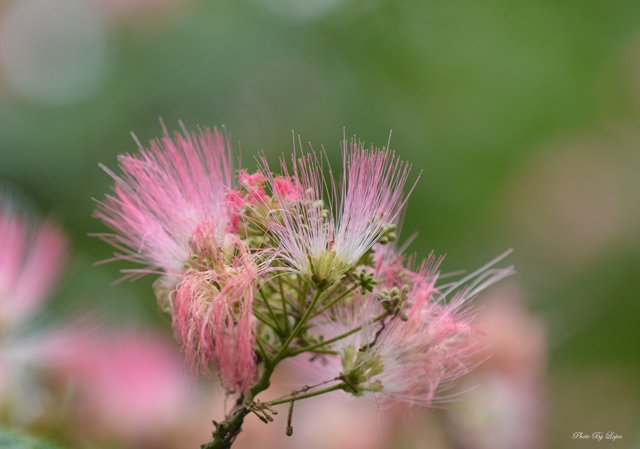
(411, 344)
(415, 359)
(32, 257)
(322, 244)
(166, 191)
(213, 315)
(431, 344)
(173, 209)
(343, 293)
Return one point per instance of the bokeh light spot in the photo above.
(53, 51)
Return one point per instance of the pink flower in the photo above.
(412, 344)
(284, 188)
(254, 183)
(165, 193)
(32, 256)
(323, 244)
(424, 355)
(174, 208)
(413, 357)
(213, 314)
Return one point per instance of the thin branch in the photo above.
(284, 306)
(263, 318)
(263, 351)
(267, 344)
(283, 351)
(310, 395)
(332, 303)
(313, 348)
(271, 311)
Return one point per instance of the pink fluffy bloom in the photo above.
(425, 354)
(254, 184)
(213, 314)
(174, 208)
(413, 353)
(31, 260)
(164, 194)
(323, 244)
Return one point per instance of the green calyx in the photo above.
(359, 368)
(325, 270)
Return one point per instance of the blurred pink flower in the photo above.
(32, 257)
(516, 339)
(507, 407)
(131, 386)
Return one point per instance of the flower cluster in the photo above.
(263, 266)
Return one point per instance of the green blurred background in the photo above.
(523, 116)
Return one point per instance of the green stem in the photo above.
(268, 345)
(263, 351)
(271, 312)
(302, 294)
(324, 351)
(284, 305)
(264, 381)
(285, 346)
(263, 318)
(227, 431)
(313, 348)
(332, 303)
(309, 395)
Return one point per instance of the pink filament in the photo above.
(213, 319)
